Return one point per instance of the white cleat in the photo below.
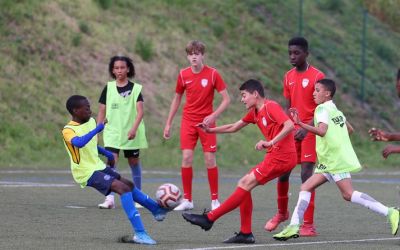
(137, 205)
(108, 203)
(185, 205)
(215, 204)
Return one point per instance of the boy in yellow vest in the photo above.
(89, 170)
(121, 102)
(336, 160)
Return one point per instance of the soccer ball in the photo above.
(168, 195)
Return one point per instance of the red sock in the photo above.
(283, 199)
(246, 211)
(309, 214)
(187, 176)
(213, 181)
(233, 201)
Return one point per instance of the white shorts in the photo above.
(337, 177)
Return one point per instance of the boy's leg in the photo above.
(109, 202)
(136, 167)
(292, 231)
(282, 215)
(206, 221)
(308, 227)
(367, 201)
(245, 235)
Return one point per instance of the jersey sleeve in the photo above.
(219, 83)
(286, 92)
(322, 115)
(180, 86)
(68, 134)
(103, 96)
(249, 117)
(276, 113)
(140, 98)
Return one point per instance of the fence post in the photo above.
(363, 52)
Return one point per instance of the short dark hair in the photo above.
(73, 102)
(251, 86)
(329, 85)
(129, 64)
(398, 75)
(299, 41)
(195, 46)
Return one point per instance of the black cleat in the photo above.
(200, 220)
(241, 238)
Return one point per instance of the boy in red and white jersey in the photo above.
(199, 81)
(280, 158)
(298, 88)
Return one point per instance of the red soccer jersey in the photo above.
(298, 87)
(199, 91)
(270, 120)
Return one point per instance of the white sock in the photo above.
(302, 204)
(369, 202)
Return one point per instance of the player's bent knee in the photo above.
(346, 196)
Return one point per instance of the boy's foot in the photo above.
(273, 223)
(291, 231)
(137, 205)
(185, 205)
(308, 230)
(160, 214)
(107, 204)
(393, 219)
(215, 204)
(200, 220)
(143, 238)
(241, 238)
(138, 238)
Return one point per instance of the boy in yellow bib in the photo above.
(121, 102)
(89, 170)
(336, 159)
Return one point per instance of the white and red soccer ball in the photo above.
(168, 195)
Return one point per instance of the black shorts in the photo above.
(101, 180)
(128, 153)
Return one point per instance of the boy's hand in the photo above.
(208, 120)
(261, 145)
(167, 132)
(131, 134)
(390, 149)
(111, 163)
(203, 126)
(105, 121)
(378, 135)
(295, 115)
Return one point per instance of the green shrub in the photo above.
(144, 47)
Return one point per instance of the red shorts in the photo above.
(306, 149)
(273, 166)
(190, 134)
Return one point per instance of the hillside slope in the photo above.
(53, 49)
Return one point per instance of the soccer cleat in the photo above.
(160, 214)
(241, 238)
(184, 206)
(200, 220)
(393, 219)
(273, 223)
(215, 204)
(143, 238)
(108, 203)
(137, 205)
(291, 231)
(308, 230)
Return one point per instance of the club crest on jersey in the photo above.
(304, 83)
(264, 121)
(204, 82)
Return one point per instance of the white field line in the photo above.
(296, 244)
(32, 184)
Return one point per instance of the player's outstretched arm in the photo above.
(172, 112)
(108, 154)
(390, 149)
(227, 128)
(380, 135)
(81, 141)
